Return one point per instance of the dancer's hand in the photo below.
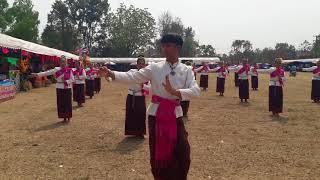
(168, 87)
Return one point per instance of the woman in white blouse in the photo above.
(135, 122)
(277, 78)
(315, 92)
(64, 77)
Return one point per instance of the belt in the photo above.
(134, 93)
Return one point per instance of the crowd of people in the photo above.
(171, 85)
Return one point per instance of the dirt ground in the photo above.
(228, 140)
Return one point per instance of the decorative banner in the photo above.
(7, 92)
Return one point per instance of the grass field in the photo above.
(228, 140)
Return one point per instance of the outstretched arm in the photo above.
(309, 69)
(138, 77)
(46, 73)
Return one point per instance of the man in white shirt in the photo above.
(171, 82)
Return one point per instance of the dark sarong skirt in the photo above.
(64, 103)
(236, 79)
(195, 76)
(179, 168)
(254, 82)
(243, 88)
(315, 93)
(275, 99)
(204, 81)
(185, 107)
(135, 116)
(220, 85)
(97, 84)
(78, 93)
(90, 88)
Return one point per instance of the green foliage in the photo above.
(60, 32)
(23, 21)
(131, 31)
(88, 16)
(3, 13)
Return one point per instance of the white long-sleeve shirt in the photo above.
(90, 76)
(244, 75)
(201, 70)
(273, 81)
(316, 76)
(253, 73)
(156, 73)
(60, 81)
(220, 74)
(136, 89)
(80, 79)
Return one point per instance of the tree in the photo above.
(285, 51)
(88, 15)
(241, 49)
(60, 32)
(206, 51)
(3, 13)
(131, 31)
(23, 21)
(304, 50)
(316, 47)
(189, 48)
(170, 24)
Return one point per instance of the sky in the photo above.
(219, 22)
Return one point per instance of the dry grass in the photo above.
(228, 140)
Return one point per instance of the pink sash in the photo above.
(245, 68)
(78, 72)
(166, 131)
(222, 70)
(279, 72)
(316, 71)
(66, 72)
(205, 68)
(91, 72)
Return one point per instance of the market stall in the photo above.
(19, 58)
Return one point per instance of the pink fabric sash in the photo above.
(205, 68)
(316, 71)
(245, 68)
(222, 70)
(91, 72)
(78, 72)
(66, 72)
(166, 131)
(279, 72)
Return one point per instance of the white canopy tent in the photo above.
(301, 60)
(196, 60)
(15, 43)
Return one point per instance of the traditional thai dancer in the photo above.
(97, 81)
(204, 71)
(243, 73)
(186, 104)
(171, 82)
(79, 86)
(254, 77)
(135, 124)
(90, 81)
(277, 78)
(64, 77)
(222, 74)
(315, 92)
